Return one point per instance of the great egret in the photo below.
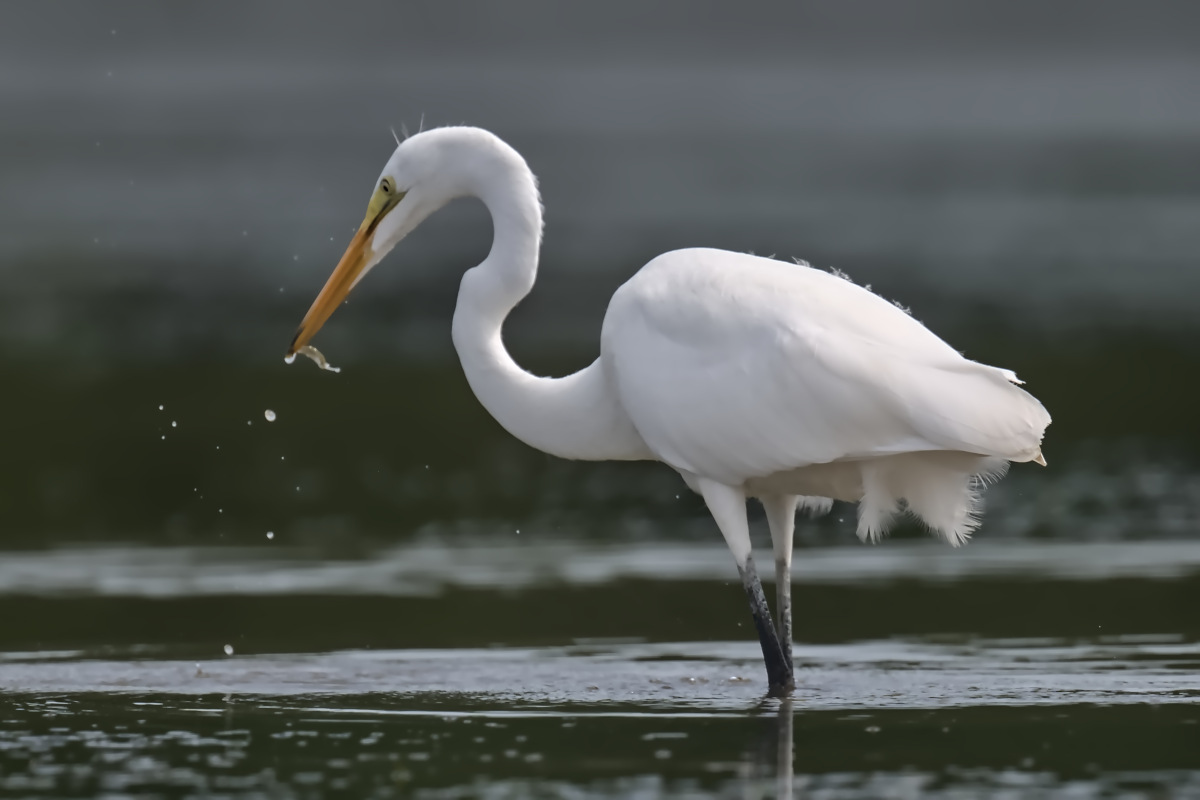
(750, 377)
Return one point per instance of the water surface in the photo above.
(567, 670)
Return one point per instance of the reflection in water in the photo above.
(454, 746)
(784, 751)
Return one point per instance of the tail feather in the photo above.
(940, 489)
(815, 506)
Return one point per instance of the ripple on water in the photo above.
(696, 676)
(367, 746)
(428, 568)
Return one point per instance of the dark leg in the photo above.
(728, 507)
(779, 668)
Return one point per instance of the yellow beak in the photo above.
(344, 276)
(350, 268)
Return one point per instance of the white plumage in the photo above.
(781, 378)
(751, 377)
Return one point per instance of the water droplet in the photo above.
(270, 534)
(270, 415)
(248, 422)
(228, 649)
(174, 424)
(160, 406)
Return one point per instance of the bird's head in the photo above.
(424, 173)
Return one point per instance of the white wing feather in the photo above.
(734, 367)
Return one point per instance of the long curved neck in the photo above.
(578, 416)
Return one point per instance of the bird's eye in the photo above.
(386, 186)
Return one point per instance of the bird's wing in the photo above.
(733, 366)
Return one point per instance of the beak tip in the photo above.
(292, 346)
(345, 275)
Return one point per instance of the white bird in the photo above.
(750, 377)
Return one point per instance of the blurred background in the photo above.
(178, 181)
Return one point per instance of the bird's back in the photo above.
(736, 367)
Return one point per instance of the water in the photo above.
(377, 746)
(578, 669)
(699, 677)
(392, 451)
(603, 720)
(199, 202)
